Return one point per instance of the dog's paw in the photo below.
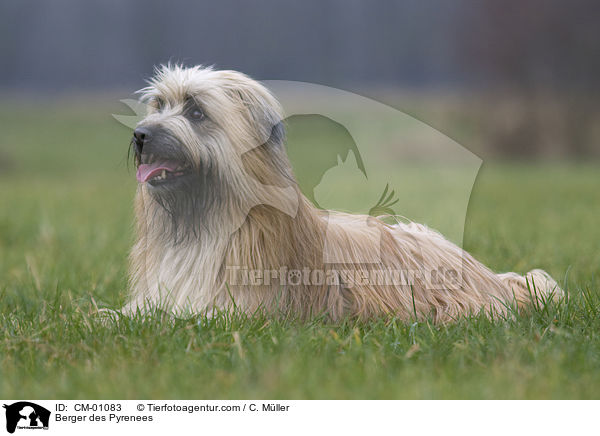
(108, 316)
(544, 282)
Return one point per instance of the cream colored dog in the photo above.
(221, 223)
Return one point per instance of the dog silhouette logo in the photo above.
(26, 415)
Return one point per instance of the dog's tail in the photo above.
(536, 286)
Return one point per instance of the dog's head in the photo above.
(211, 139)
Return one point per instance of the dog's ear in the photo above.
(262, 110)
(277, 134)
(267, 161)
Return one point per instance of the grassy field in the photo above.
(66, 226)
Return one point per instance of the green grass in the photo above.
(66, 226)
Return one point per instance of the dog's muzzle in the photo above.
(158, 155)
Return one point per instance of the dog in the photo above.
(217, 196)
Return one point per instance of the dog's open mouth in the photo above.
(156, 170)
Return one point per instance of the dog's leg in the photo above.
(107, 316)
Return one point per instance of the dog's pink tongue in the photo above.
(146, 171)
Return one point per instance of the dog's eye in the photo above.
(195, 113)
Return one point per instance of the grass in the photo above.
(66, 226)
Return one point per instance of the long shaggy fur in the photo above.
(243, 209)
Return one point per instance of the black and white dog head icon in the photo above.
(26, 414)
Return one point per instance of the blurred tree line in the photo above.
(542, 58)
(529, 70)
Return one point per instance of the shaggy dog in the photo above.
(221, 223)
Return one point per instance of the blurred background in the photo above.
(506, 79)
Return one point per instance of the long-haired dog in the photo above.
(221, 223)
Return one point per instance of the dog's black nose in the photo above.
(141, 135)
